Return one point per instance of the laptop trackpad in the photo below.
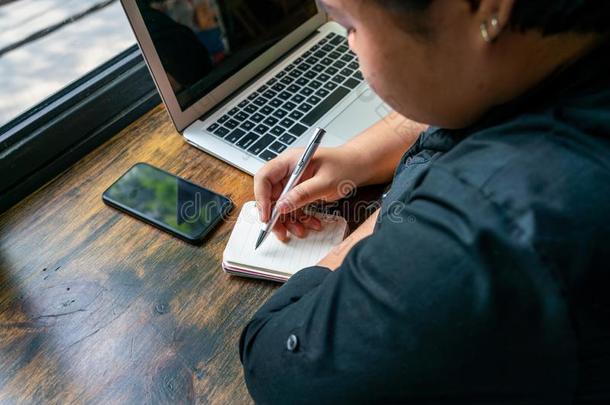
(363, 112)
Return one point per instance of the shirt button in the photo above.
(292, 343)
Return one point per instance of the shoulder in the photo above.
(536, 164)
(537, 143)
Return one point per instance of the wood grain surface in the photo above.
(98, 307)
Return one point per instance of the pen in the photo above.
(311, 148)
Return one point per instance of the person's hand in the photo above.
(332, 174)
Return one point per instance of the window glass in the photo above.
(47, 44)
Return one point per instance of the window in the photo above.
(70, 77)
(47, 44)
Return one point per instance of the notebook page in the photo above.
(276, 256)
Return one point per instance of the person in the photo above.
(173, 41)
(483, 276)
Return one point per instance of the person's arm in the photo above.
(443, 303)
(369, 158)
(335, 257)
(382, 145)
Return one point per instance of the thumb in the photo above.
(302, 194)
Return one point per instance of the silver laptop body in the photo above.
(263, 96)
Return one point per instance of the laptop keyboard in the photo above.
(286, 107)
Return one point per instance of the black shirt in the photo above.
(486, 278)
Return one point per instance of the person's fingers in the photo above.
(308, 220)
(276, 191)
(302, 194)
(296, 228)
(296, 224)
(280, 231)
(264, 180)
(262, 195)
(265, 212)
(311, 222)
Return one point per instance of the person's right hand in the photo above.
(332, 174)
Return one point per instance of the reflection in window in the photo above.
(47, 44)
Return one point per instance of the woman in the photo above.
(483, 276)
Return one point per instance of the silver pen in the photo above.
(311, 148)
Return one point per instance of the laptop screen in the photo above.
(203, 42)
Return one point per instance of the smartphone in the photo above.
(168, 202)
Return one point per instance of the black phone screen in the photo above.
(168, 202)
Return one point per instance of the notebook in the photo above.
(276, 260)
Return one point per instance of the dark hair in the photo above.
(546, 16)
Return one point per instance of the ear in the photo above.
(494, 17)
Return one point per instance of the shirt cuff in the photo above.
(308, 278)
(297, 286)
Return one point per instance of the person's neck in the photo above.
(527, 59)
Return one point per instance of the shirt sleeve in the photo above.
(445, 302)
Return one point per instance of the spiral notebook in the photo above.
(276, 260)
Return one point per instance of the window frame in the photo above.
(47, 139)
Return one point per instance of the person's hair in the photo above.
(546, 16)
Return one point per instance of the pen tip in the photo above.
(260, 239)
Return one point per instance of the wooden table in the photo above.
(96, 306)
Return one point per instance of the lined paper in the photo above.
(274, 255)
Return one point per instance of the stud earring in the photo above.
(485, 32)
(495, 24)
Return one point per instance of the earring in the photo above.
(495, 24)
(485, 32)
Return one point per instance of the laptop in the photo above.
(245, 80)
